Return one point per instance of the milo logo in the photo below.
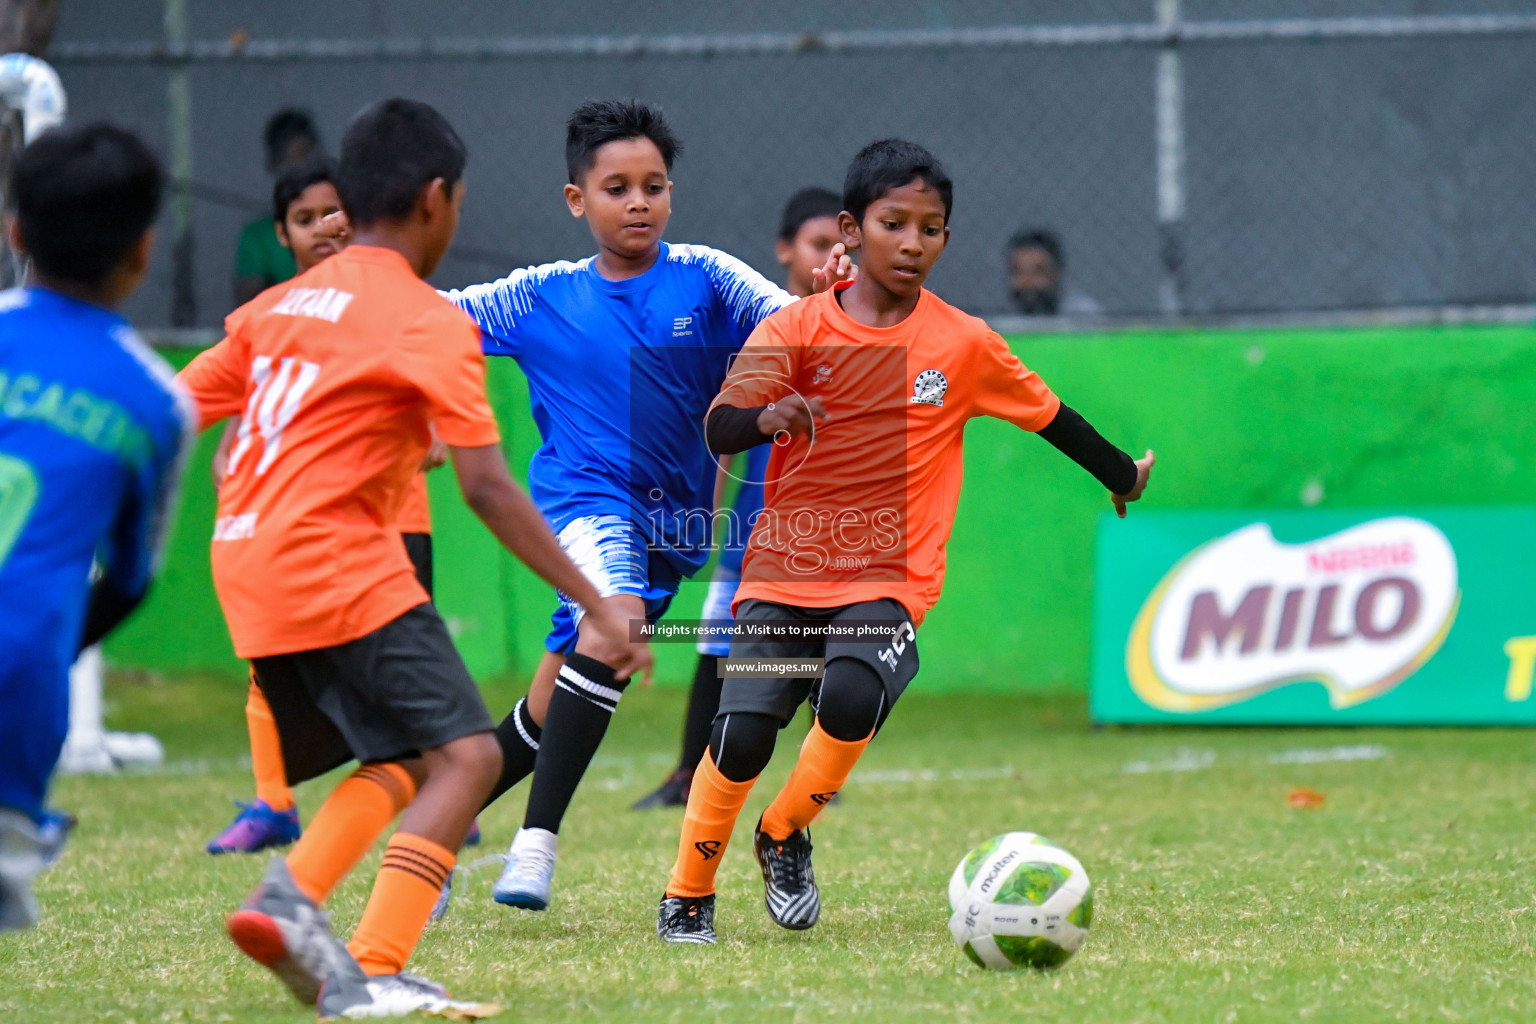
(1358, 612)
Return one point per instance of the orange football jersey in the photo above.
(862, 510)
(337, 375)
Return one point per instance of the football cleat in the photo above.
(351, 994)
(24, 852)
(671, 793)
(257, 827)
(54, 832)
(687, 919)
(283, 930)
(440, 908)
(529, 872)
(789, 882)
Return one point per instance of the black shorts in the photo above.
(418, 546)
(386, 696)
(893, 660)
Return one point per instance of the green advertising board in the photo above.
(1402, 617)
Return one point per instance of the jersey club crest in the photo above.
(929, 388)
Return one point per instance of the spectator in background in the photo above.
(1035, 265)
(262, 260)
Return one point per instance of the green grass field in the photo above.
(1407, 896)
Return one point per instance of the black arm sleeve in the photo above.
(108, 608)
(729, 429)
(1075, 438)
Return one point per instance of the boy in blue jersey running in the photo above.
(808, 232)
(92, 434)
(623, 352)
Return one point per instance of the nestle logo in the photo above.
(1365, 557)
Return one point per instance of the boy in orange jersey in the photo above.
(339, 378)
(807, 234)
(865, 391)
(302, 197)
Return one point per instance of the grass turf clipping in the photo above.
(1406, 895)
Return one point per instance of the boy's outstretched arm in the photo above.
(512, 516)
(1123, 476)
(729, 429)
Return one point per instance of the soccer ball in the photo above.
(1019, 900)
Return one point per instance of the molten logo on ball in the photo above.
(1358, 611)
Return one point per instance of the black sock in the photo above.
(585, 697)
(518, 735)
(703, 702)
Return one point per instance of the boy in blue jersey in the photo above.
(623, 352)
(92, 434)
(808, 232)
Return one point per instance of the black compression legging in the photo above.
(852, 706)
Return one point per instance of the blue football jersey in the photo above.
(92, 437)
(620, 375)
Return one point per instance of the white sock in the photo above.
(542, 839)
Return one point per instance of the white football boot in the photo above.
(530, 870)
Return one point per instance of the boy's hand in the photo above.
(839, 267)
(610, 629)
(1143, 474)
(437, 452)
(222, 452)
(792, 414)
(335, 225)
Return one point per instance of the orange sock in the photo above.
(825, 764)
(266, 752)
(408, 885)
(356, 814)
(714, 801)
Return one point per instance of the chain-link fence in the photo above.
(1311, 159)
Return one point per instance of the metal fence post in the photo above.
(1170, 159)
(179, 112)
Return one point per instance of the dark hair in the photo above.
(283, 127)
(892, 163)
(807, 204)
(390, 151)
(83, 197)
(292, 182)
(593, 125)
(1039, 238)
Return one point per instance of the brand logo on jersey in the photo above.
(680, 326)
(823, 374)
(320, 303)
(708, 848)
(1358, 611)
(929, 388)
(822, 799)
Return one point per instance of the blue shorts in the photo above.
(34, 718)
(744, 513)
(612, 552)
(717, 608)
(727, 577)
